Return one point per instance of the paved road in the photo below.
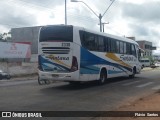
(28, 95)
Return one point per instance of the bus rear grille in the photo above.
(55, 50)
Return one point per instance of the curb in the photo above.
(148, 69)
(24, 75)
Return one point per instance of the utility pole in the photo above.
(100, 22)
(99, 16)
(103, 25)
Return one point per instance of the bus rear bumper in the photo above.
(48, 77)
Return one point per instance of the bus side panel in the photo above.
(92, 63)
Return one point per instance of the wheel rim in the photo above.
(103, 78)
(40, 82)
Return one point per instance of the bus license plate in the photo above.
(55, 75)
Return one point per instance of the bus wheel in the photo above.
(133, 73)
(103, 77)
(40, 82)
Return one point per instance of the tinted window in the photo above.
(121, 48)
(146, 60)
(106, 44)
(100, 44)
(56, 33)
(125, 49)
(128, 48)
(133, 50)
(117, 47)
(109, 45)
(92, 41)
(89, 41)
(113, 45)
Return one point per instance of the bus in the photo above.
(145, 62)
(74, 54)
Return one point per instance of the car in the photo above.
(157, 64)
(4, 75)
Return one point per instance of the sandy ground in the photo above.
(149, 103)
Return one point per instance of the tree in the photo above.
(5, 36)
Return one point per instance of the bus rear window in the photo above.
(56, 33)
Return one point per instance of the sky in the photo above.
(136, 18)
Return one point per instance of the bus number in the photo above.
(65, 44)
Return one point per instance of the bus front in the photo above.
(56, 61)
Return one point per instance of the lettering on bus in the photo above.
(57, 58)
(126, 58)
(65, 44)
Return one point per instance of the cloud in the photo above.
(143, 20)
(139, 29)
(147, 12)
(41, 3)
(15, 16)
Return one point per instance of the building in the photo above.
(147, 47)
(27, 34)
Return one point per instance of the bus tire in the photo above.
(133, 73)
(40, 82)
(103, 77)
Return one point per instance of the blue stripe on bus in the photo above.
(89, 70)
(43, 60)
(89, 59)
(114, 72)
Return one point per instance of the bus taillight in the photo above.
(74, 66)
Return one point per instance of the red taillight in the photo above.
(74, 66)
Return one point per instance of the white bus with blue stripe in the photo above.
(75, 54)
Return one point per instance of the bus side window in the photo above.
(90, 41)
(118, 47)
(113, 45)
(125, 48)
(133, 50)
(109, 45)
(121, 48)
(96, 43)
(101, 47)
(82, 38)
(128, 48)
(106, 44)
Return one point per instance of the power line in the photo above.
(22, 3)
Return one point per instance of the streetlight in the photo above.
(99, 16)
(65, 12)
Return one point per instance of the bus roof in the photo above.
(99, 33)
